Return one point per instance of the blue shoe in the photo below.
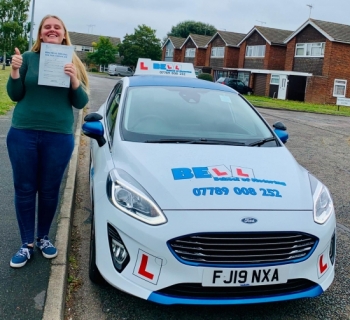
(22, 256)
(47, 248)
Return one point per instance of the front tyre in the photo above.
(94, 273)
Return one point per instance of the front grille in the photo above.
(243, 248)
(195, 290)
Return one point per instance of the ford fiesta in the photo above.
(196, 199)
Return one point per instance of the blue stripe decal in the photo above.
(169, 300)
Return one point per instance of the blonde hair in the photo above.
(81, 71)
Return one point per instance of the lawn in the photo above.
(259, 101)
(5, 102)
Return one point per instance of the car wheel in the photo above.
(94, 273)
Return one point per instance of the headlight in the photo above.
(132, 199)
(323, 203)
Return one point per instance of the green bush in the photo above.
(94, 70)
(205, 76)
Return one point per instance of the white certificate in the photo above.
(53, 58)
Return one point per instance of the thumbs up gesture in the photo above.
(17, 60)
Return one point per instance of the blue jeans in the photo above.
(39, 159)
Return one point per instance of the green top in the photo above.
(42, 107)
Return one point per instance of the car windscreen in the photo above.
(156, 112)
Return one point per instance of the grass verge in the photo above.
(5, 102)
(267, 102)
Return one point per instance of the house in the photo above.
(171, 49)
(223, 52)
(194, 50)
(82, 42)
(262, 61)
(322, 49)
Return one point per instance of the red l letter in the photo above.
(143, 265)
(142, 66)
(240, 173)
(218, 173)
(323, 267)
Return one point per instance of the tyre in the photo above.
(94, 274)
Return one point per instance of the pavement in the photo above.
(38, 290)
(57, 285)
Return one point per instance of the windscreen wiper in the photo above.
(197, 141)
(261, 142)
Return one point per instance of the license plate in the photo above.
(229, 277)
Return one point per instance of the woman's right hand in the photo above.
(16, 60)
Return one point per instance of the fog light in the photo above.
(119, 251)
(332, 249)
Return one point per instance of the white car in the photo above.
(196, 200)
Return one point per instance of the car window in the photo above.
(240, 84)
(221, 79)
(178, 112)
(112, 109)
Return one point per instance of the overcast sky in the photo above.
(117, 18)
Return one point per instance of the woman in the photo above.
(40, 141)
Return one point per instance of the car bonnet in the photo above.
(233, 177)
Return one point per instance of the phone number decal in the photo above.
(210, 191)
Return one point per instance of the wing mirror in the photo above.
(93, 128)
(281, 131)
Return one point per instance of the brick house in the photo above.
(322, 49)
(171, 49)
(223, 52)
(82, 43)
(194, 50)
(262, 61)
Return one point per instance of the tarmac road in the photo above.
(320, 143)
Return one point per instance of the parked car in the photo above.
(116, 70)
(8, 61)
(196, 200)
(236, 84)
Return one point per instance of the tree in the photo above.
(142, 44)
(104, 52)
(14, 27)
(183, 29)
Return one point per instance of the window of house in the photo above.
(310, 49)
(275, 79)
(339, 88)
(87, 49)
(190, 53)
(255, 51)
(217, 52)
(169, 52)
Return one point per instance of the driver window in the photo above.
(112, 109)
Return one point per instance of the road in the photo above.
(320, 143)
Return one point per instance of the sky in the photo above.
(116, 18)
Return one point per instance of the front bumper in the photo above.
(153, 268)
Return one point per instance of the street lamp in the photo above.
(31, 28)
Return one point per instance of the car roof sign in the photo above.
(164, 68)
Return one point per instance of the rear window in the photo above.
(221, 80)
